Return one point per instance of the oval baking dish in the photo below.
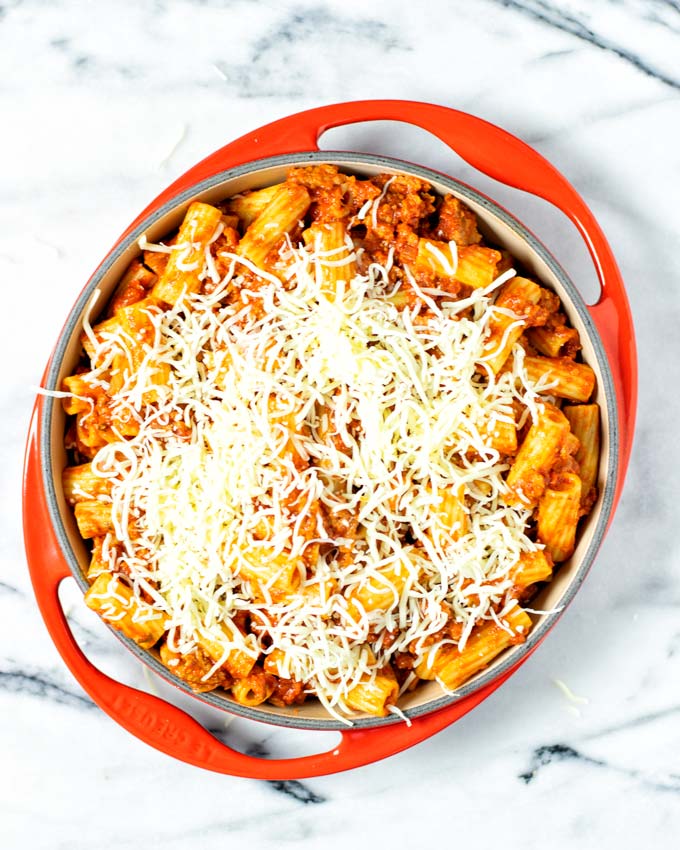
(261, 159)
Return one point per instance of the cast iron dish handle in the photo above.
(502, 157)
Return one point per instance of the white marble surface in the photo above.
(102, 105)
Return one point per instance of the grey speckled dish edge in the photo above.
(538, 248)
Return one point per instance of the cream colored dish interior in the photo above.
(497, 232)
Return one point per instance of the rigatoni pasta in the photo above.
(558, 514)
(584, 420)
(452, 666)
(564, 377)
(287, 207)
(537, 456)
(320, 448)
(181, 275)
(116, 604)
(512, 308)
(335, 263)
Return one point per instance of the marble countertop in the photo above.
(103, 105)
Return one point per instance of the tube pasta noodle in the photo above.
(136, 332)
(195, 669)
(288, 205)
(567, 379)
(584, 420)
(473, 265)
(94, 518)
(452, 666)
(440, 258)
(134, 286)
(335, 264)
(507, 324)
(553, 341)
(477, 266)
(182, 272)
(374, 696)
(318, 447)
(278, 574)
(81, 484)
(558, 513)
(248, 206)
(528, 475)
(501, 436)
(532, 567)
(450, 517)
(99, 563)
(154, 261)
(116, 605)
(253, 689)
(237, 660)
(381, 590)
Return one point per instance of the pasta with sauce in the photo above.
(326, 443)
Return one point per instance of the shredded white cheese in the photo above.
(286, 417)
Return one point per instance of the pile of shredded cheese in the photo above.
(344, 407)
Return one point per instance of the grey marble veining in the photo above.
(629, 29)
(102, 106)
